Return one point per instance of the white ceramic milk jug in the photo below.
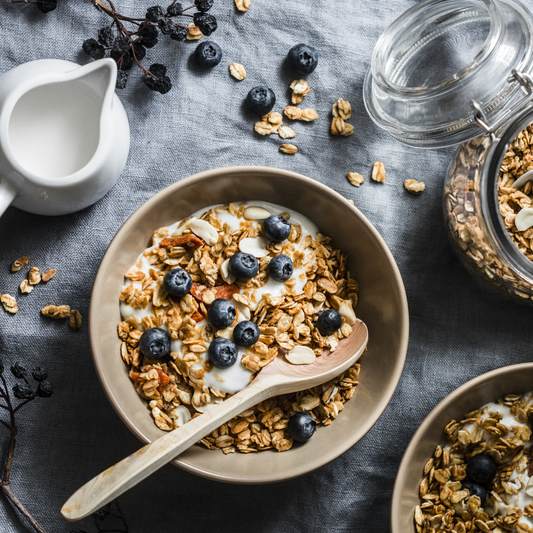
(64, 135)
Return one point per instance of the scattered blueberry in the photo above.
(208, 54)
(276, 228)
(261, 100)
(18, 370)
(303, 58)
(177, 282)
(175, 10)
(481, 469)
(155, 343)
(476, 490)
(301, 426)
(329, 321)
(246, 333)
(22, 391)
(243, 266)
(39, 373)
(221, 313)
(206, 22)
(222, 352)
(280, 268)
(45, 389)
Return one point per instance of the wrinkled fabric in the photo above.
(458, 331)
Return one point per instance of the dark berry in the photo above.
(260, 100)
(93, 48)
(204, 5)
(77, 531)
(39, 373)
(45, 389)
(276, 228)
(106, 36)
(103, 512)
(301, 426)
(46, 5)
(155, 343)
(280, 268)
(159, 70)
(140, 51)
(22, 391)
(161, 84)
(475, 490)
(246, 333)
(206, 22)
(208, 54)
(175, 10)
(149, 35)
(153, 14)
(481, 469)
(177, 282)
(122, 44)
(222, 352)
(166, 26)
(179, 33)
(124, 60)
(221, 313)
(303, 58)
(122, 79)
(329, 321)
(243, 266)
(19, 370)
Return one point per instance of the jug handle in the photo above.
(7, 195)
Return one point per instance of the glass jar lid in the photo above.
(448, 69)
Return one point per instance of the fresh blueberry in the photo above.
(329, 321)
(301, 426)
(261, 100)
(222, 352)
(155, 343)
(208, 54)
(276, 228)
(280, 268)
(303, 58)
(481, 469)
(221, 313)
(177, 282)
(243, 266)
(476, 490)
(246, 333)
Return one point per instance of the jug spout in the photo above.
(100, 75)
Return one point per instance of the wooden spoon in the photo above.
(279, 377)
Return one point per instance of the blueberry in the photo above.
(208, 54)
(481, 469)
(329, 321)
(276, 228)
(280, 268)
(475, 490)
(303, 58)
(261, 100)
(243, 266)
(222, 352)
(246, 333)
(221, 313)
(155, 343)
(177, 282)
(301, 426)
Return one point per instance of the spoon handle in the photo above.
(127, 473)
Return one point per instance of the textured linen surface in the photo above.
(457, 330)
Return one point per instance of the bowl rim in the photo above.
(384, 400)
(445, 403)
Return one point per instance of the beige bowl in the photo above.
(383, 306)
(515, 379)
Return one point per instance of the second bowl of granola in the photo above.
(350, 268)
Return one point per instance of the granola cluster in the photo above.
(177, 387)
(447, 506)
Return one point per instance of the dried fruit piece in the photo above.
(286, 133)
(243, 5)
(186, 241)
(308, 115)
(56, 311)
(74, 320)
(49, 274)
(288, 148)
(355, 179)
(413, 186)
(34, 277)
(378, 172)
(25, 287)
(19, 263)
(342, 109)
(237, 71)
(9, 303)
(194, 32)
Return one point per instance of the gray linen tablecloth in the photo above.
(457, 330)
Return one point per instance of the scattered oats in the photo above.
(34, 277)
(237, 71)
(339, 127)
(264, 128)
(25, 287)
(294, 113)
(300, 87)
(243, 5)
(355, 179)
(308, 115)
(194, 32)
(342, 109)
(286, 133)
(9, 303)
(273, 118)
(19, 263)
(288, 148)
(56, 311)
(49, 274)
(378, 172)
(296, 98)
(415, 187)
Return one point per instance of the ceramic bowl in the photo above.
(382, 306)
(515, 379)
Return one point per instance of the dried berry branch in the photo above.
(104, 513)
(25, 392)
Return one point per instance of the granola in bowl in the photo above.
(482, 479)
(186, 383)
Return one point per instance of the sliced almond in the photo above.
(226, 333)
(181, 415)
(301, 355)
(205, 231)
(255, 246)
(256, 213)
(227, 276)
(179, 231)
(245, 311)
(347, 312)
(524, 220)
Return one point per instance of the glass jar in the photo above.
(458, 71)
